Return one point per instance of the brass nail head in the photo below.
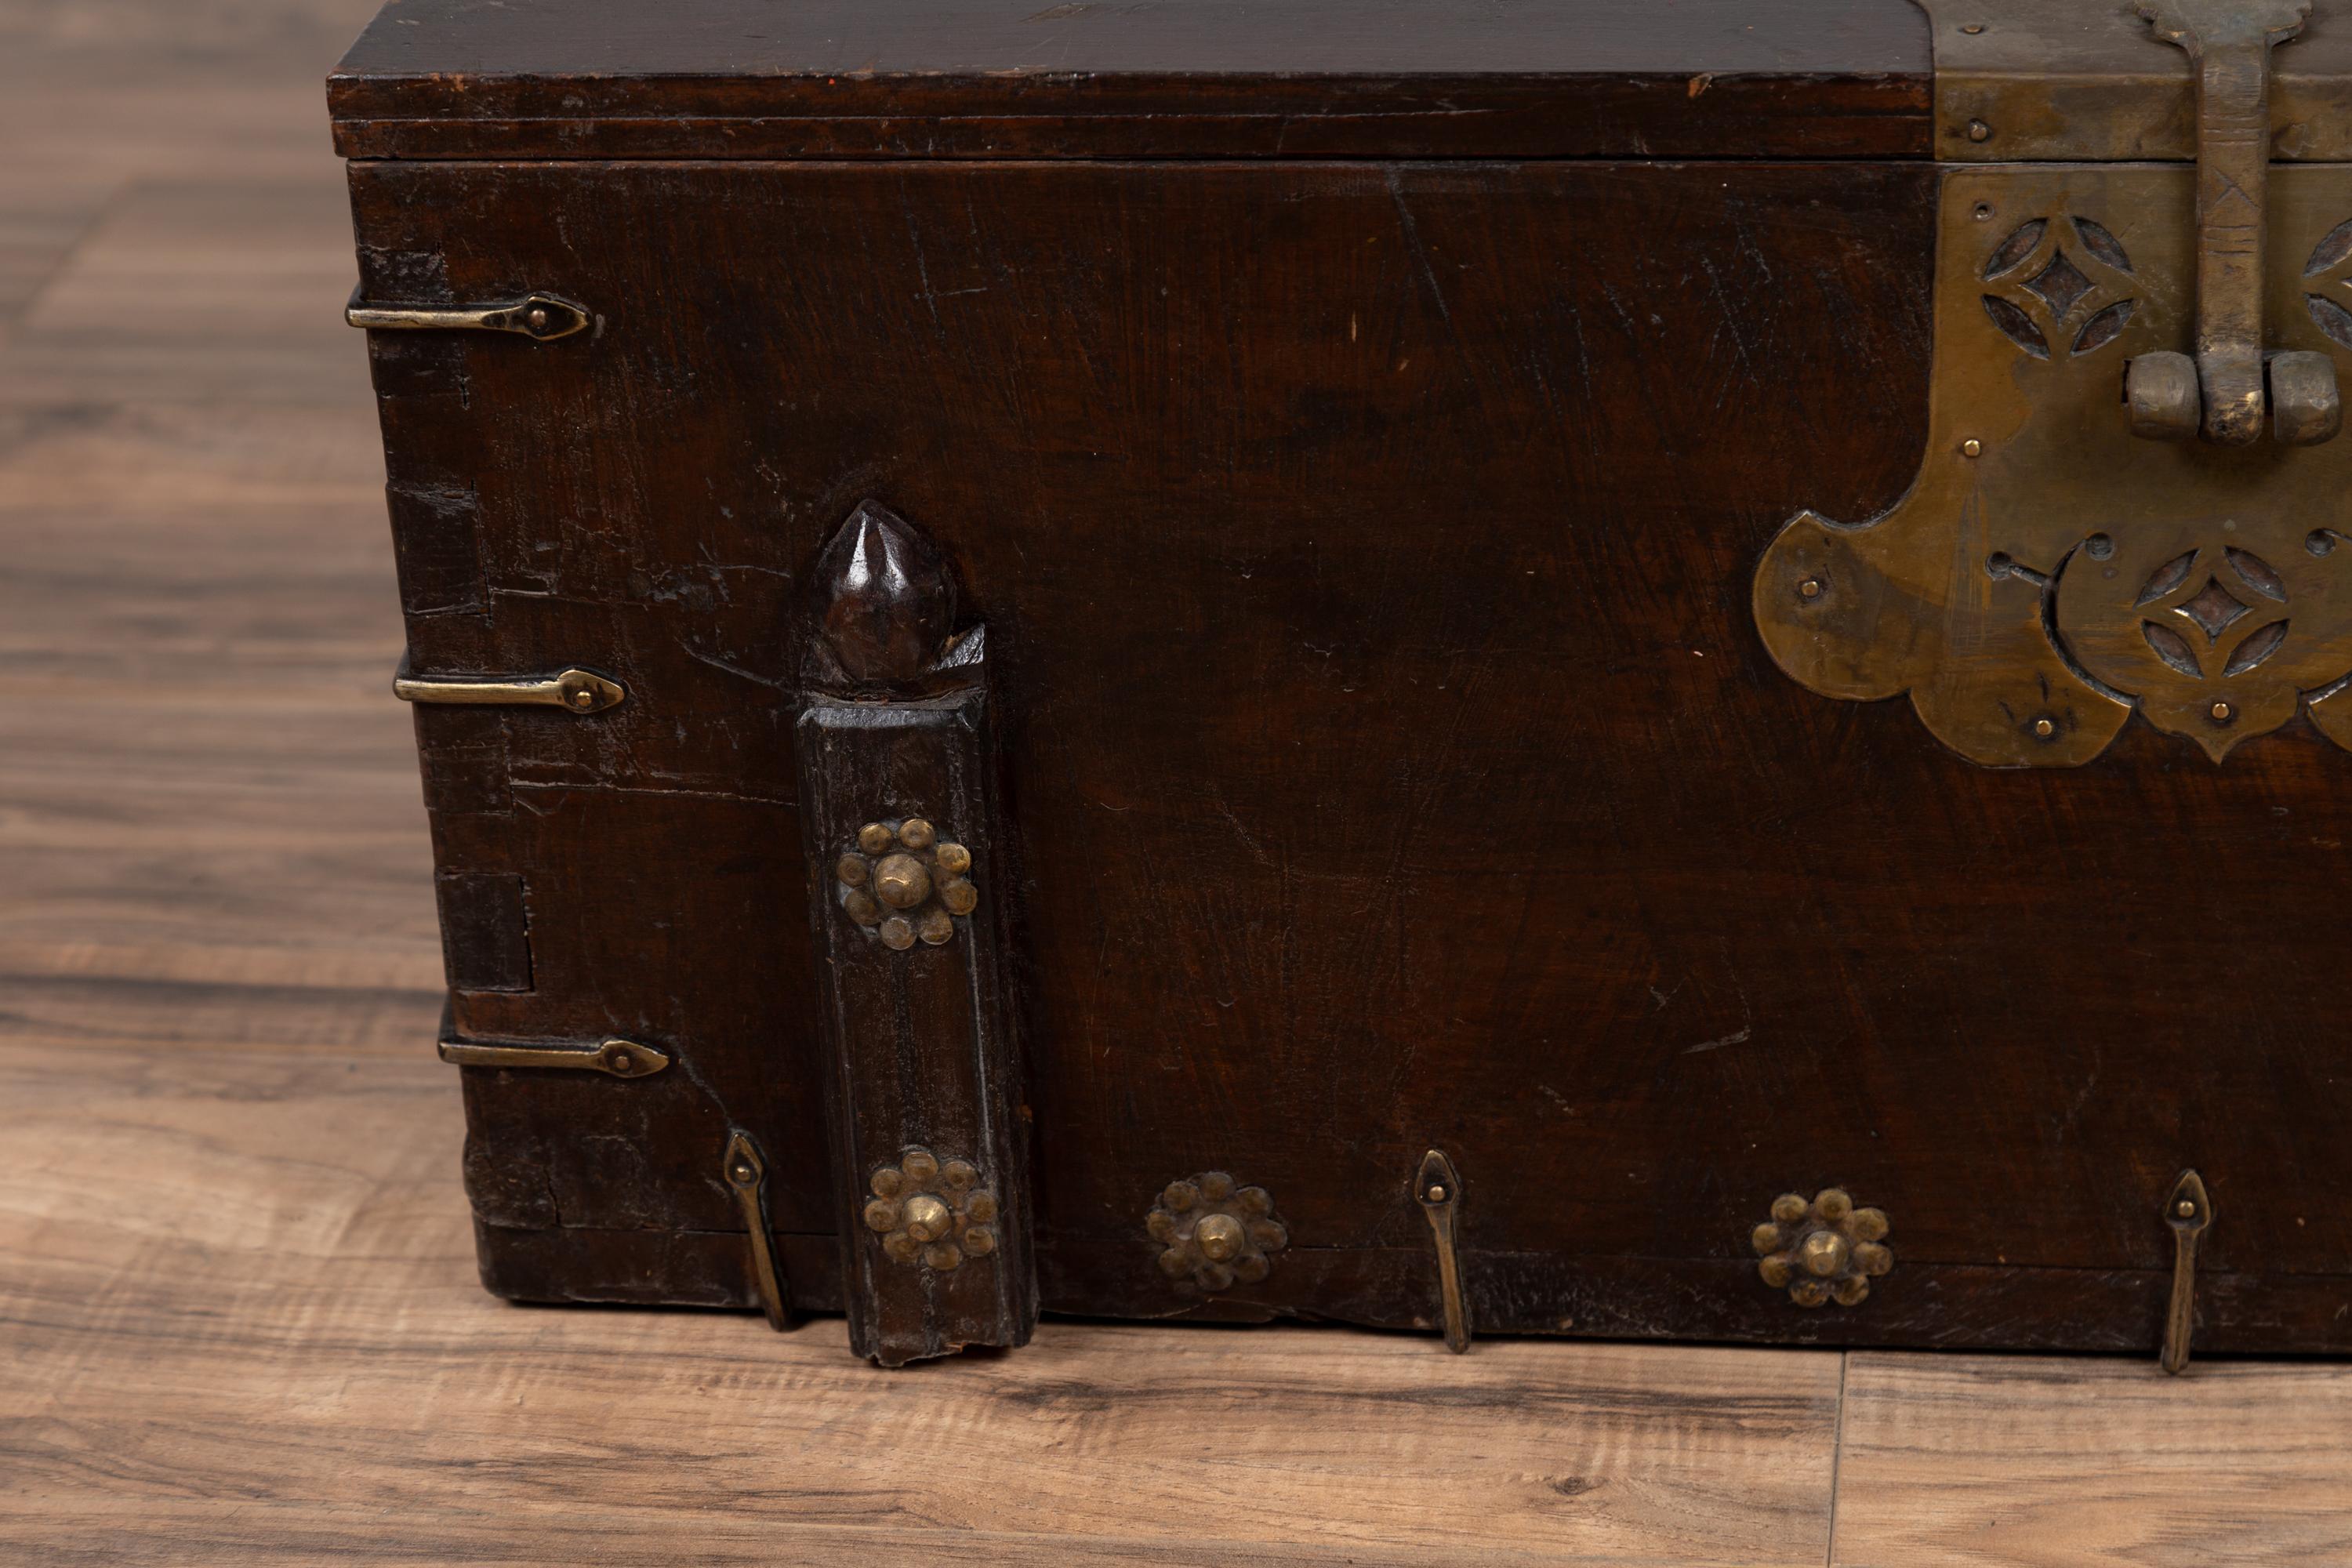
(1979, 131)
(1218, 1237)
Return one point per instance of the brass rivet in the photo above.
(2221, 712)
(928, 1219)
(2044, 729)
(1971, 448)
(901, 882)
(1219, 1236)
(1979, 131)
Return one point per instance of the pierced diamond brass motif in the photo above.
(1211, 1233)
(931, 1212)
(1825, 1250)
(904, 883)
(2023, 592)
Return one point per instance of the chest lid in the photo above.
(1193, 78)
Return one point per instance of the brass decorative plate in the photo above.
(2049, 573)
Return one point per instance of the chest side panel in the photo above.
(1390, 760)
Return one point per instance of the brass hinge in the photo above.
(618, 1059)
(540, 317)
(573, 691)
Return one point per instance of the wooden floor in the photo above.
(238, 1322)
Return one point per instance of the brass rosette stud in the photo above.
(905, 883)
(931, 1212)
(1825, 1250)
(1212, 1232)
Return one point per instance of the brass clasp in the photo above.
(540, 317)
(2231, 389)
(573, 691)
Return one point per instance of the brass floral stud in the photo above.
(903, 882)
(1211, 1233)
(931, 1212)
(1825, 1250)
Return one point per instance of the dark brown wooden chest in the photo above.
(1152, 660)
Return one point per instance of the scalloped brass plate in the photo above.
(2048, 574)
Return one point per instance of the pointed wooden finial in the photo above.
(886, 598)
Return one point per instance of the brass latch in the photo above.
(614, 1057)
(540, 317)
(573, 691)
(2229, 386)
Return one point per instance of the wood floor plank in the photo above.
(242, 1327)
(2052, 1462)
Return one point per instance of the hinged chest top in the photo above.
(1230, 661)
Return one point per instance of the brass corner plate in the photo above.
(2050, 574)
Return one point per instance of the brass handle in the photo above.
(573, 691)
(618, 1059)
(2229, 389)
(540, 317)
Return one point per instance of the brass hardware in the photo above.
(931, 1212)
(573, 691)
(2229, 45)
(2187, 1211)
(2067, 80)
(1825, 1250)
(1211, 1233)
(2032, 599)
(746, 1170)
(543, 317)
(902, 883)
(618, 1059)
(1438, 1189)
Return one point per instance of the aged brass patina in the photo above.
(617, 1058)
(2090, 80)
(1825, 1250)
(931, 1212)
(2031, 596)
(746, 1170)
(1212, 1232)
(573, 691)
(905, 884)
(541, 317)
(1437, 1187)
(2187, 1211)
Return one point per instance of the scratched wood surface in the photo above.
(238, 1322)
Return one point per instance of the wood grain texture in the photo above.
(276, 1245)
(1975, 1462)
(738, 78)
(238, 1322)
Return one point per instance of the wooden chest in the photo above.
(1238, 662)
